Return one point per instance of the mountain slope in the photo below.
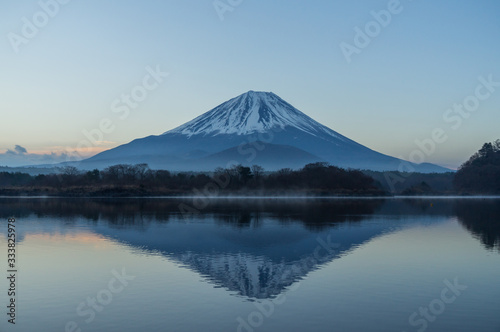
(263, 154)
(252, 112)
(234, 131)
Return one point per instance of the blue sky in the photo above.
(63, 79)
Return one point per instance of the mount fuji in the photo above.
(255, 128)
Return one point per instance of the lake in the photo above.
(341, 264)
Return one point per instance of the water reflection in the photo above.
(238, 212)
(253, 248)
(482, 219)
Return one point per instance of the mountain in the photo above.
(253, 128)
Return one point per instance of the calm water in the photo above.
(254, 265)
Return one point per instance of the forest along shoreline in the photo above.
(317, 179)
(480, 175)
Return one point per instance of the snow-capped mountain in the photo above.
(249, 113)
(255, 128)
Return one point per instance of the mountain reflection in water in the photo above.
(254, 248)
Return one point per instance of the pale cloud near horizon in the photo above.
(18, 150)
(19, 156)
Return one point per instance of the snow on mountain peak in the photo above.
(252, 112)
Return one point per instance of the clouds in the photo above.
(18, 150)
(19, 156)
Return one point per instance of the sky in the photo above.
(414, 79)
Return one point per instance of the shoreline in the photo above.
(256, 197)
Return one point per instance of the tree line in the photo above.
(481, 173)
(316, 178)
